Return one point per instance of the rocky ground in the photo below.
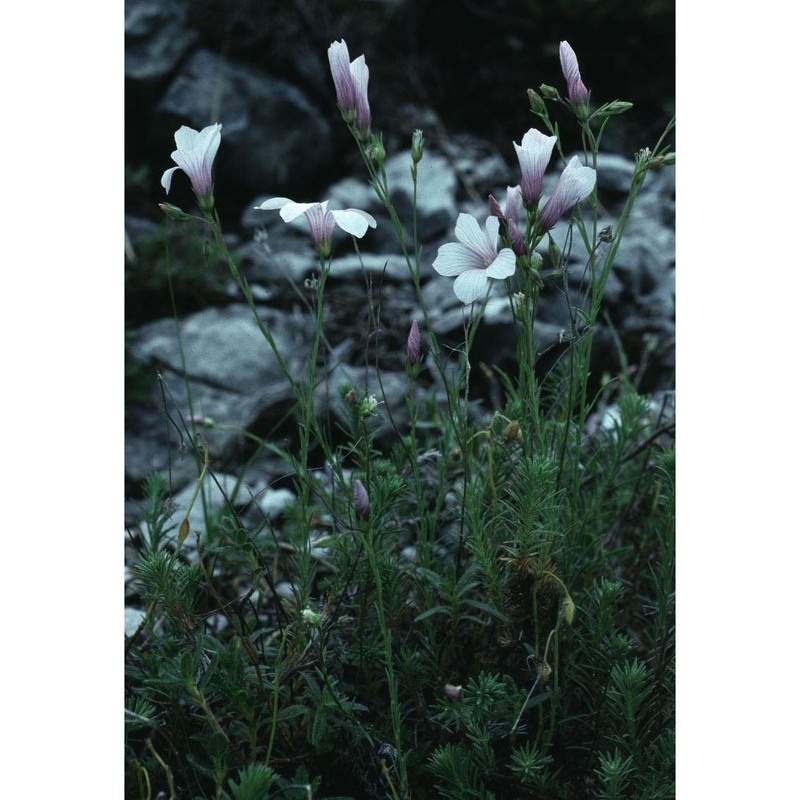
(276, 141)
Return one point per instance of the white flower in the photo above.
(350, 78)
(320, 220)
(574, 186)
(534, 155)
(195, 156)
(474, 258)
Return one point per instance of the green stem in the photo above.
(276, 688)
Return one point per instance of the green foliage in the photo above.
(252, 783)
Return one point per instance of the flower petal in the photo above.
(470, 285)
(339, 60)
(468, 232)
(574, 186)
(576, 89)
(514, 203)
(492, 232)
(293, 210)
(534, 155)
(353, 221)
(360, 72)
(274, 203)
(166, 178)
(207, 143)
(504, 266)
(454, 258)
(185, 137)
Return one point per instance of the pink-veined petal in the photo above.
(534, 155)
(192, 164)
(492, 232)
(166, 178)
(453, 258)
(339, 60)
(576, 89)
(469, 233)
(208, 141)
(504, 266)
(360, 72)
(354, 221)
(470, 285)
(292, 210)
(574, 186)
(514, 203)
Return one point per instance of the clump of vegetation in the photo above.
(485, 609)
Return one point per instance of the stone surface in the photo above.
(156, 38)
(273, 139)
(233, 377)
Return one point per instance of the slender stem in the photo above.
(276, 694)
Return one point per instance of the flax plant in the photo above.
(484, 609)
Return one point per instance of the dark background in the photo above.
(471, 62)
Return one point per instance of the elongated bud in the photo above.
(413, 344)
(576, 90)
(613, 108)
(549, 92)
(375, 149)
(656, 162)
(512, 432)
(516, 238)
(173, 212)
(417, 145)
(494, 208)
(183, 532)
(361, 500)
(568, 609)
(536, 103)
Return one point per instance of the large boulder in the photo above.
(273, 139)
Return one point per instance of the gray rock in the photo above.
(436, 203)
(614, 173)
(224, 348)
(233, 378)
(354, 193)
(389, 391)
(219, 493)
(156, 38)
(351, 267)
(267, 124)
(436, 193)
(133, 618)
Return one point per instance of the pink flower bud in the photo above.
(351, 80)
(576, 91)
(361, 500)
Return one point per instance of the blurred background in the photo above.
(451, 67)
(458, 69)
